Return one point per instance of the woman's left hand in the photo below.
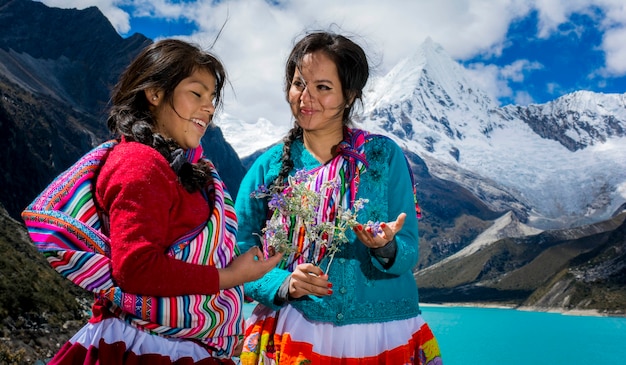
(388, 232)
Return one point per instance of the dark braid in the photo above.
(162, 66)
(286, 162)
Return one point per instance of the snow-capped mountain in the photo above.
(565, 159)
(557, 164)
(247, 138)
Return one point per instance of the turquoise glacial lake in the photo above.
(495, 336)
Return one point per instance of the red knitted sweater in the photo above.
(148, 210)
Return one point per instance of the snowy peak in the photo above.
(542, 155)
(429, 70)
(576, 120)
(428, 92)
(449, 77)
(247, 138)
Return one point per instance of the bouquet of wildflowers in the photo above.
(296, 201)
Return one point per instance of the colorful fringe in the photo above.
(270, 341)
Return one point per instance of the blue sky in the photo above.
(518, 51)
(569, 59)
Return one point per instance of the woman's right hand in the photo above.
(247, 267)
(308, 279)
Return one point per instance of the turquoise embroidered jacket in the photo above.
(363, 290)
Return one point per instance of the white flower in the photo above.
(296, 201)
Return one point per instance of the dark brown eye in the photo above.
(298, 85)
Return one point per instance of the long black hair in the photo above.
(162, 66)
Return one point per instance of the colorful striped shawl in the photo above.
(346, 169)
(64, 224)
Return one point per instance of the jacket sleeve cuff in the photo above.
(282, 295)
(385, 255)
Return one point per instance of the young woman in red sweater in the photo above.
(145, 222)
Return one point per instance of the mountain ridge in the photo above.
(553, 269)
(51, 64)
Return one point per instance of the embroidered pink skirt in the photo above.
(293, 339)
(113, 341)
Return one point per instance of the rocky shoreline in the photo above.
(28, 341)
(567, 312)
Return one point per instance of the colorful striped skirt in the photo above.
(113, 341)
(293, 339)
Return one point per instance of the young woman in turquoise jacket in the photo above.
(343, 296)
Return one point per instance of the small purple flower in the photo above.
(260, 192)
(276, 201)
(374, 227)
(359, 204)
(300, 176)
(269, 230)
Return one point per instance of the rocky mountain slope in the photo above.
(579, 268)
(39, 309)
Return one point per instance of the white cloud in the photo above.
(554, 88)
(496, 81)
(489, 79)
(611, 19)
(523, 98)
(517, 70)
(258, 35)
(614, 47)
(553, 13)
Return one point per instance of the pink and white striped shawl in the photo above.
(64, 224)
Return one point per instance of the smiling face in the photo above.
(315, 95)
(186, 118)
